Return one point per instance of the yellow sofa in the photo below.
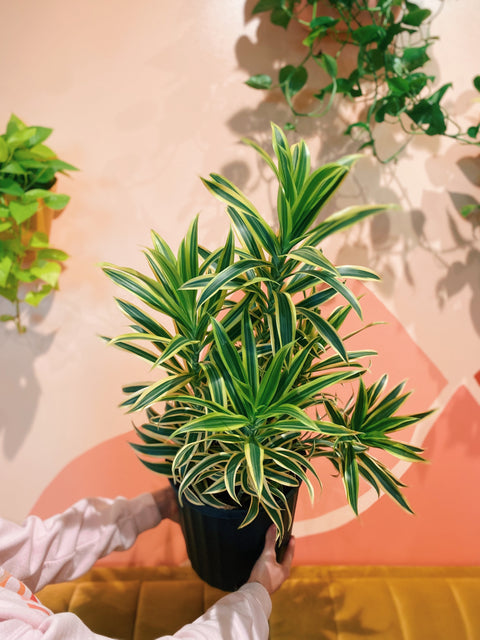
(316, 603)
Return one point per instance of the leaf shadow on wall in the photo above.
(437, 229)
(461, 257)
(19, 379)
(272, 48)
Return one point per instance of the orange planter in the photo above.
(41, 221)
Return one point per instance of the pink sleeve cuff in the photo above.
(144, 511)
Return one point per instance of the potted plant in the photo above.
(389, 41)
(28, 203)
(254, 358)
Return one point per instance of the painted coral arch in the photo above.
(327, 532)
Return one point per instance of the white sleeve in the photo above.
(65, 546)
(61, 626)
(242, 615)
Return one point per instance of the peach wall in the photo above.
(146, 97)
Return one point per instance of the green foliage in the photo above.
(391, 40)
(28, 170)
(253, 359)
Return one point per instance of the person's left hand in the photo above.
(167, 504)
(267, 571)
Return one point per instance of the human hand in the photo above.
(267, 571)
(167, 504)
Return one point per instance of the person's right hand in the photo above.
(267, 571)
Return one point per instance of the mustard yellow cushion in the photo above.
(316, 603)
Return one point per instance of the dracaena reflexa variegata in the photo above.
(253, 360)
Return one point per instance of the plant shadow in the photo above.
(332, 617)
(19, 352)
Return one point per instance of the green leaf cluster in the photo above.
(252, 357)
(392, 42)
(28, 170)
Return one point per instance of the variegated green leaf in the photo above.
(163, 468)
(188, 253)
(142, 353)
(290, 410)
(297, 366)
(398, 449)
(249, 353)
(230, 475)
(141, 318)
(314, 257)
(206, 464)
(145, 436)
(325, 330)
(285, 317)
(350, 477)
(282, 478)
(228, 353)
(295, 463)
(251, 513)
(360, 409)
(144, 288)
(156, 450)
(262, 153)
(275, 515)
(342, 289)
(389, 425)
(334, 413)
(357, 273)
(226, 191)
(342, 220)
(254, 455)
(384, 409)
(159, 390)
(176, 346)
(316, 191)
(198, 402)
(305, 394)
(301, 163)
(376, 389)
(249, 239)
(384, 479)
(225, 277)
(216, 383)
(161, 246)
(271, 378)
(212, 422)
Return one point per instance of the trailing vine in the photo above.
(391, 42)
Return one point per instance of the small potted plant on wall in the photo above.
(28, 203)
(255, 354)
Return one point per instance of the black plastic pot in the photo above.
(222, 554)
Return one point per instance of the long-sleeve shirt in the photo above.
(63, 547)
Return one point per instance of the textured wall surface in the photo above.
(146, 97)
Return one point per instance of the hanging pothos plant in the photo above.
(29, 266)
(390, 40)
